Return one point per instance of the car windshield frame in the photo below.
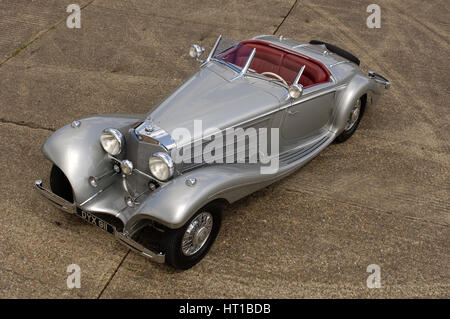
(213, 56)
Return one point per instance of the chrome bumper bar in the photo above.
(380, 79)
(124, 239)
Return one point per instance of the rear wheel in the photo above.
(353, 120)
(186, 246)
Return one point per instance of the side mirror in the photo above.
(295, 91)
(195, 51)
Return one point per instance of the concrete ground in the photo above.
(380, 198)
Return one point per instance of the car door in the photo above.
(308, 116)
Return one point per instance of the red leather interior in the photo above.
(269, 58)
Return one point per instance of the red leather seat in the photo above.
(271, 59)
(291, 65)
(266, 59)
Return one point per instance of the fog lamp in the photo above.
(127, 167)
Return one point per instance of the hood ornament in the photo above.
(150, 127)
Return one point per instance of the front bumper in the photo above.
(123, 238)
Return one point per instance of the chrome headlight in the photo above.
(161, 166)
(112, 141)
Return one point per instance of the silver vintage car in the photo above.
(254, 112)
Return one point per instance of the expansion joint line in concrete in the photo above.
(287, 15)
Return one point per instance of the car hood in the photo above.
(213, 96)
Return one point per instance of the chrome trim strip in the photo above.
(91, 198)
(314, 95)
(120, 211)
(337, 63)
(300, 45)
(99, 191)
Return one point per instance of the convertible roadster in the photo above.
(122, 174)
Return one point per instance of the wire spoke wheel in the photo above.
(187, 245)
(354, 115)
(197, 233)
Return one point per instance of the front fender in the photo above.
(174, 203)
(78, 153)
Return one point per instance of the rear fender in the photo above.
(347, 97)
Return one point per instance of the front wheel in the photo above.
(186, 246)
(353, 120)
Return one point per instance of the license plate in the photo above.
(94, 220)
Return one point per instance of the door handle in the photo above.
(292, 112)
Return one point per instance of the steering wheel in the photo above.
(275, 75)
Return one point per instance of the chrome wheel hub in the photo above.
(354, 115)
(197, 234)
